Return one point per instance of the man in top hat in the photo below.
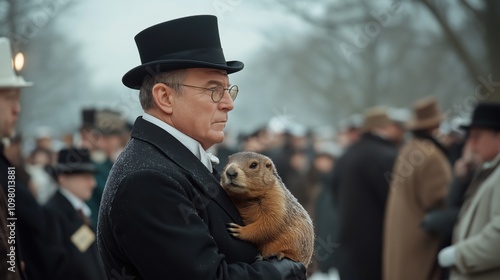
(27, 221)
(419, 184)
(71, 227)
(163, 213)
(359, 189)
(475, 253)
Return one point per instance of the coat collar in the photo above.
(64, 205)
(375, 137)
(470, 210)
(186, 160)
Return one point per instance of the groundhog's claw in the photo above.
(234, 229)
(278, 256)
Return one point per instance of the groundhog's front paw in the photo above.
(278, 255)
(234, 229)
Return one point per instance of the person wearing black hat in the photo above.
(163, 213)
(475, 253)
(71, 226)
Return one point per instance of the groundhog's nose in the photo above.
(231, 173)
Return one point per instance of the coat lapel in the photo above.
(476, 200)
(186, 160)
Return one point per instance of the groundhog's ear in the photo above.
(269, 165)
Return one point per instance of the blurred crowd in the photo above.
(390, 191)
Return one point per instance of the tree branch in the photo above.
(325, 23)
(459, 48)
(477, 13)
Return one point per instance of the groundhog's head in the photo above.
(248, 175)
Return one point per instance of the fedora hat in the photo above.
(73, 160)
(485, 115)
(189, 42)
(8, 78)
(375, 117)
(426, 114)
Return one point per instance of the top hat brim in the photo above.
(80, 168)
(134, 78)
(481, 124)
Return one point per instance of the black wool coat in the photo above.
(71, 263)
(31, 229)
(360, 189)
(163, 215)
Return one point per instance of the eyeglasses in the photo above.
(218, 91)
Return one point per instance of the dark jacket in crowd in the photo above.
(325, 222)
(101, 175)
(360, 190)
(31, 229)
(164, 216)
(9, 270)
(73, 263)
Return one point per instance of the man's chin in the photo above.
(8, 134)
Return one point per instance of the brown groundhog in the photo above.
(274, 220)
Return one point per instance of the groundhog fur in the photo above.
(273, 218)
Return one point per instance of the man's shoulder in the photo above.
(494, 178)
(57, 206)
(141, 160)
(139, 154)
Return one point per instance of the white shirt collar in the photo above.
(76, 202)
(194, 146)
(492, 163)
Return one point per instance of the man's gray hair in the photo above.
(173, 79)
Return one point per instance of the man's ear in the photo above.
(163, 97)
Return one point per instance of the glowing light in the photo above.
(19, 61)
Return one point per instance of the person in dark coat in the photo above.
(72, 231)
(360, 190)
(324, 214)
(163, 213)
(108, 128)
(26, 218)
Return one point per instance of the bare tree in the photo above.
(476, 43)
(486, 18)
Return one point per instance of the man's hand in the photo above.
(446, 257)
(289, 270)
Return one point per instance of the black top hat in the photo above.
(189, 42)
(73, 160)
(486, 115)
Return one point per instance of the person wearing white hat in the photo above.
(27, 223)
(10, 85)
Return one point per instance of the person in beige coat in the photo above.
(475, 253)
(420, 180)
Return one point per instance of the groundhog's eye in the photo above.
(253, 165)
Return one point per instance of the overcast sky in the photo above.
(105, 32)
(113, 24)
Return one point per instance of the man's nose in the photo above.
(16, 109)
(226, 103)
